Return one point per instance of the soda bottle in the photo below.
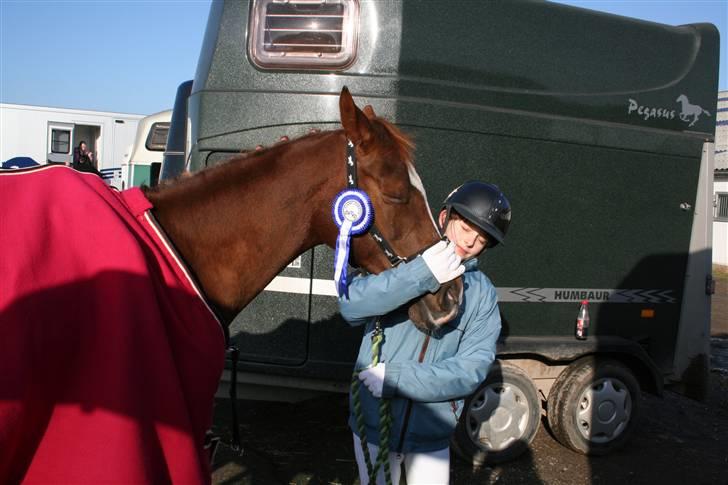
(582, 321)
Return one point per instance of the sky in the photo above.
(129, 56)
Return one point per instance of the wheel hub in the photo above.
(604, 410)
(498, 416)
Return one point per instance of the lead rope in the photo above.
(385, 417)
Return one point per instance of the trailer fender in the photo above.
(561, 351)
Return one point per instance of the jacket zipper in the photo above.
(407, 412)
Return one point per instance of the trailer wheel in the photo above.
(593, 406)
(500, 419)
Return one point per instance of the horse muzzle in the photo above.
(432, 311)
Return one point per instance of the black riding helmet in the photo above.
(484, 205)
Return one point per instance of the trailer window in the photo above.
(60, 141)
(303, 34)
(721, 206)
(157, 137)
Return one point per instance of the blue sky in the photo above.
(130, 56)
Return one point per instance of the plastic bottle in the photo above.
(582, 321)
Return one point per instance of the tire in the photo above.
(593, 406)
(500, 419)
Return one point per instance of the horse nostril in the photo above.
(454, 293)
(448, 299)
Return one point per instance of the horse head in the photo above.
(401, 212)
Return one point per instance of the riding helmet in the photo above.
(484, 205)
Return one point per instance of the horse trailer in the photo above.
(49, 135)
(599, 128)
(147, 152)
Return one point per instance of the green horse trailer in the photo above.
(599, 129)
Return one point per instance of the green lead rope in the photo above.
(385, 417)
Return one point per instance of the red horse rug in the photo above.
(109, 356)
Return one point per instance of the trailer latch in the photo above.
(709, 285)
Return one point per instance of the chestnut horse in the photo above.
(112, 348)
(237, 225)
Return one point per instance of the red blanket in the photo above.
(109, 356)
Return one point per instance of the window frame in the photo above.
(312, 60)
(717, 206)
(54, 141)
(154, 147)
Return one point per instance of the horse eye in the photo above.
(393, 199)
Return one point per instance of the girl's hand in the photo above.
(373, 378)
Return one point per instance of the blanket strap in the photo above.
(235, 354)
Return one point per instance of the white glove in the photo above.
(373, 378)
(443, 262)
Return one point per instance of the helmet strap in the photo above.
(443, 229)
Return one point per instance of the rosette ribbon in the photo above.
(353, 214)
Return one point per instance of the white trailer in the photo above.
(149, 146)
(720, 183)
(49, 135)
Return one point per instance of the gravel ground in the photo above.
(678, 441)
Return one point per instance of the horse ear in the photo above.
(369, 111)
(356, 125)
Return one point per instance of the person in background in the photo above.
(427, 375)
(83, 159)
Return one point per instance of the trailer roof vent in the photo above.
(304, 34)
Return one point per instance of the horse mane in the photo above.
(186, 178)
(404, 147)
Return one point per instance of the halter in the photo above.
(352, 183)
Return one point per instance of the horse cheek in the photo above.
(418, 314)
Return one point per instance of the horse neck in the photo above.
(237, 225)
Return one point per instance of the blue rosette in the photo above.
(353, 214)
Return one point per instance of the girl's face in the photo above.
(83, 147)
(469, 239)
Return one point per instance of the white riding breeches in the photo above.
(430, 468)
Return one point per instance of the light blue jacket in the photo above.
(426, 397)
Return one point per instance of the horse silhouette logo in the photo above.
(688, 110)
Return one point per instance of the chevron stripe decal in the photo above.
(287, 284)
(554, 295)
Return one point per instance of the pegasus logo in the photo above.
(688, 110)
(689, 113)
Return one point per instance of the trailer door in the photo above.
(60, 142)
(122, 142)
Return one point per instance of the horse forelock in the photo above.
(405, 149)
(404, 145)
